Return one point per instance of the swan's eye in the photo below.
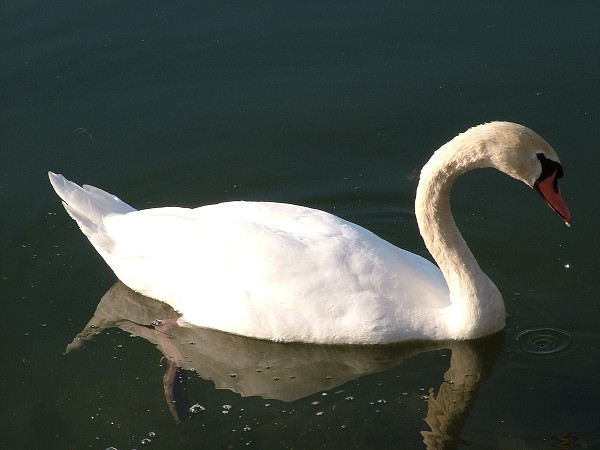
(549, 167)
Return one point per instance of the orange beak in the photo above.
(548, 189)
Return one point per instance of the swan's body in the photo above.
(291, 273)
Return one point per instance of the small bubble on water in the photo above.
(146, 441)
(226, 407)
(197, 408)
(567, 266)
(151, 434)
(349, 398)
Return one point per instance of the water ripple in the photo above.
(545, 341)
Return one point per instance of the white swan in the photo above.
(290, 273)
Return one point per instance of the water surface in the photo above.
(333, 105)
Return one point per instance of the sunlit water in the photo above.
(331, 105)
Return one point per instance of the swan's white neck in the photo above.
(477, 306)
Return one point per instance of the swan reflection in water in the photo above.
(284, 371)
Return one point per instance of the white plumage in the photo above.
(290, 273)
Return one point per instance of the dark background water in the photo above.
(333, 105)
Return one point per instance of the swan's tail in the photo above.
(88, 205)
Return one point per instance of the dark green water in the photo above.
(332, 105)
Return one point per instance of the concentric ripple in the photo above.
(545, 341)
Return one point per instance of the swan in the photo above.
(294, 274)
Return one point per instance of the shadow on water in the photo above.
(288, 372)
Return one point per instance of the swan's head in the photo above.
(525, 156)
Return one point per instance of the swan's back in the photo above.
(274, 270)
(266, 270)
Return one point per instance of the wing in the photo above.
(283, 269)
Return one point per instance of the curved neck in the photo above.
(476, 302)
